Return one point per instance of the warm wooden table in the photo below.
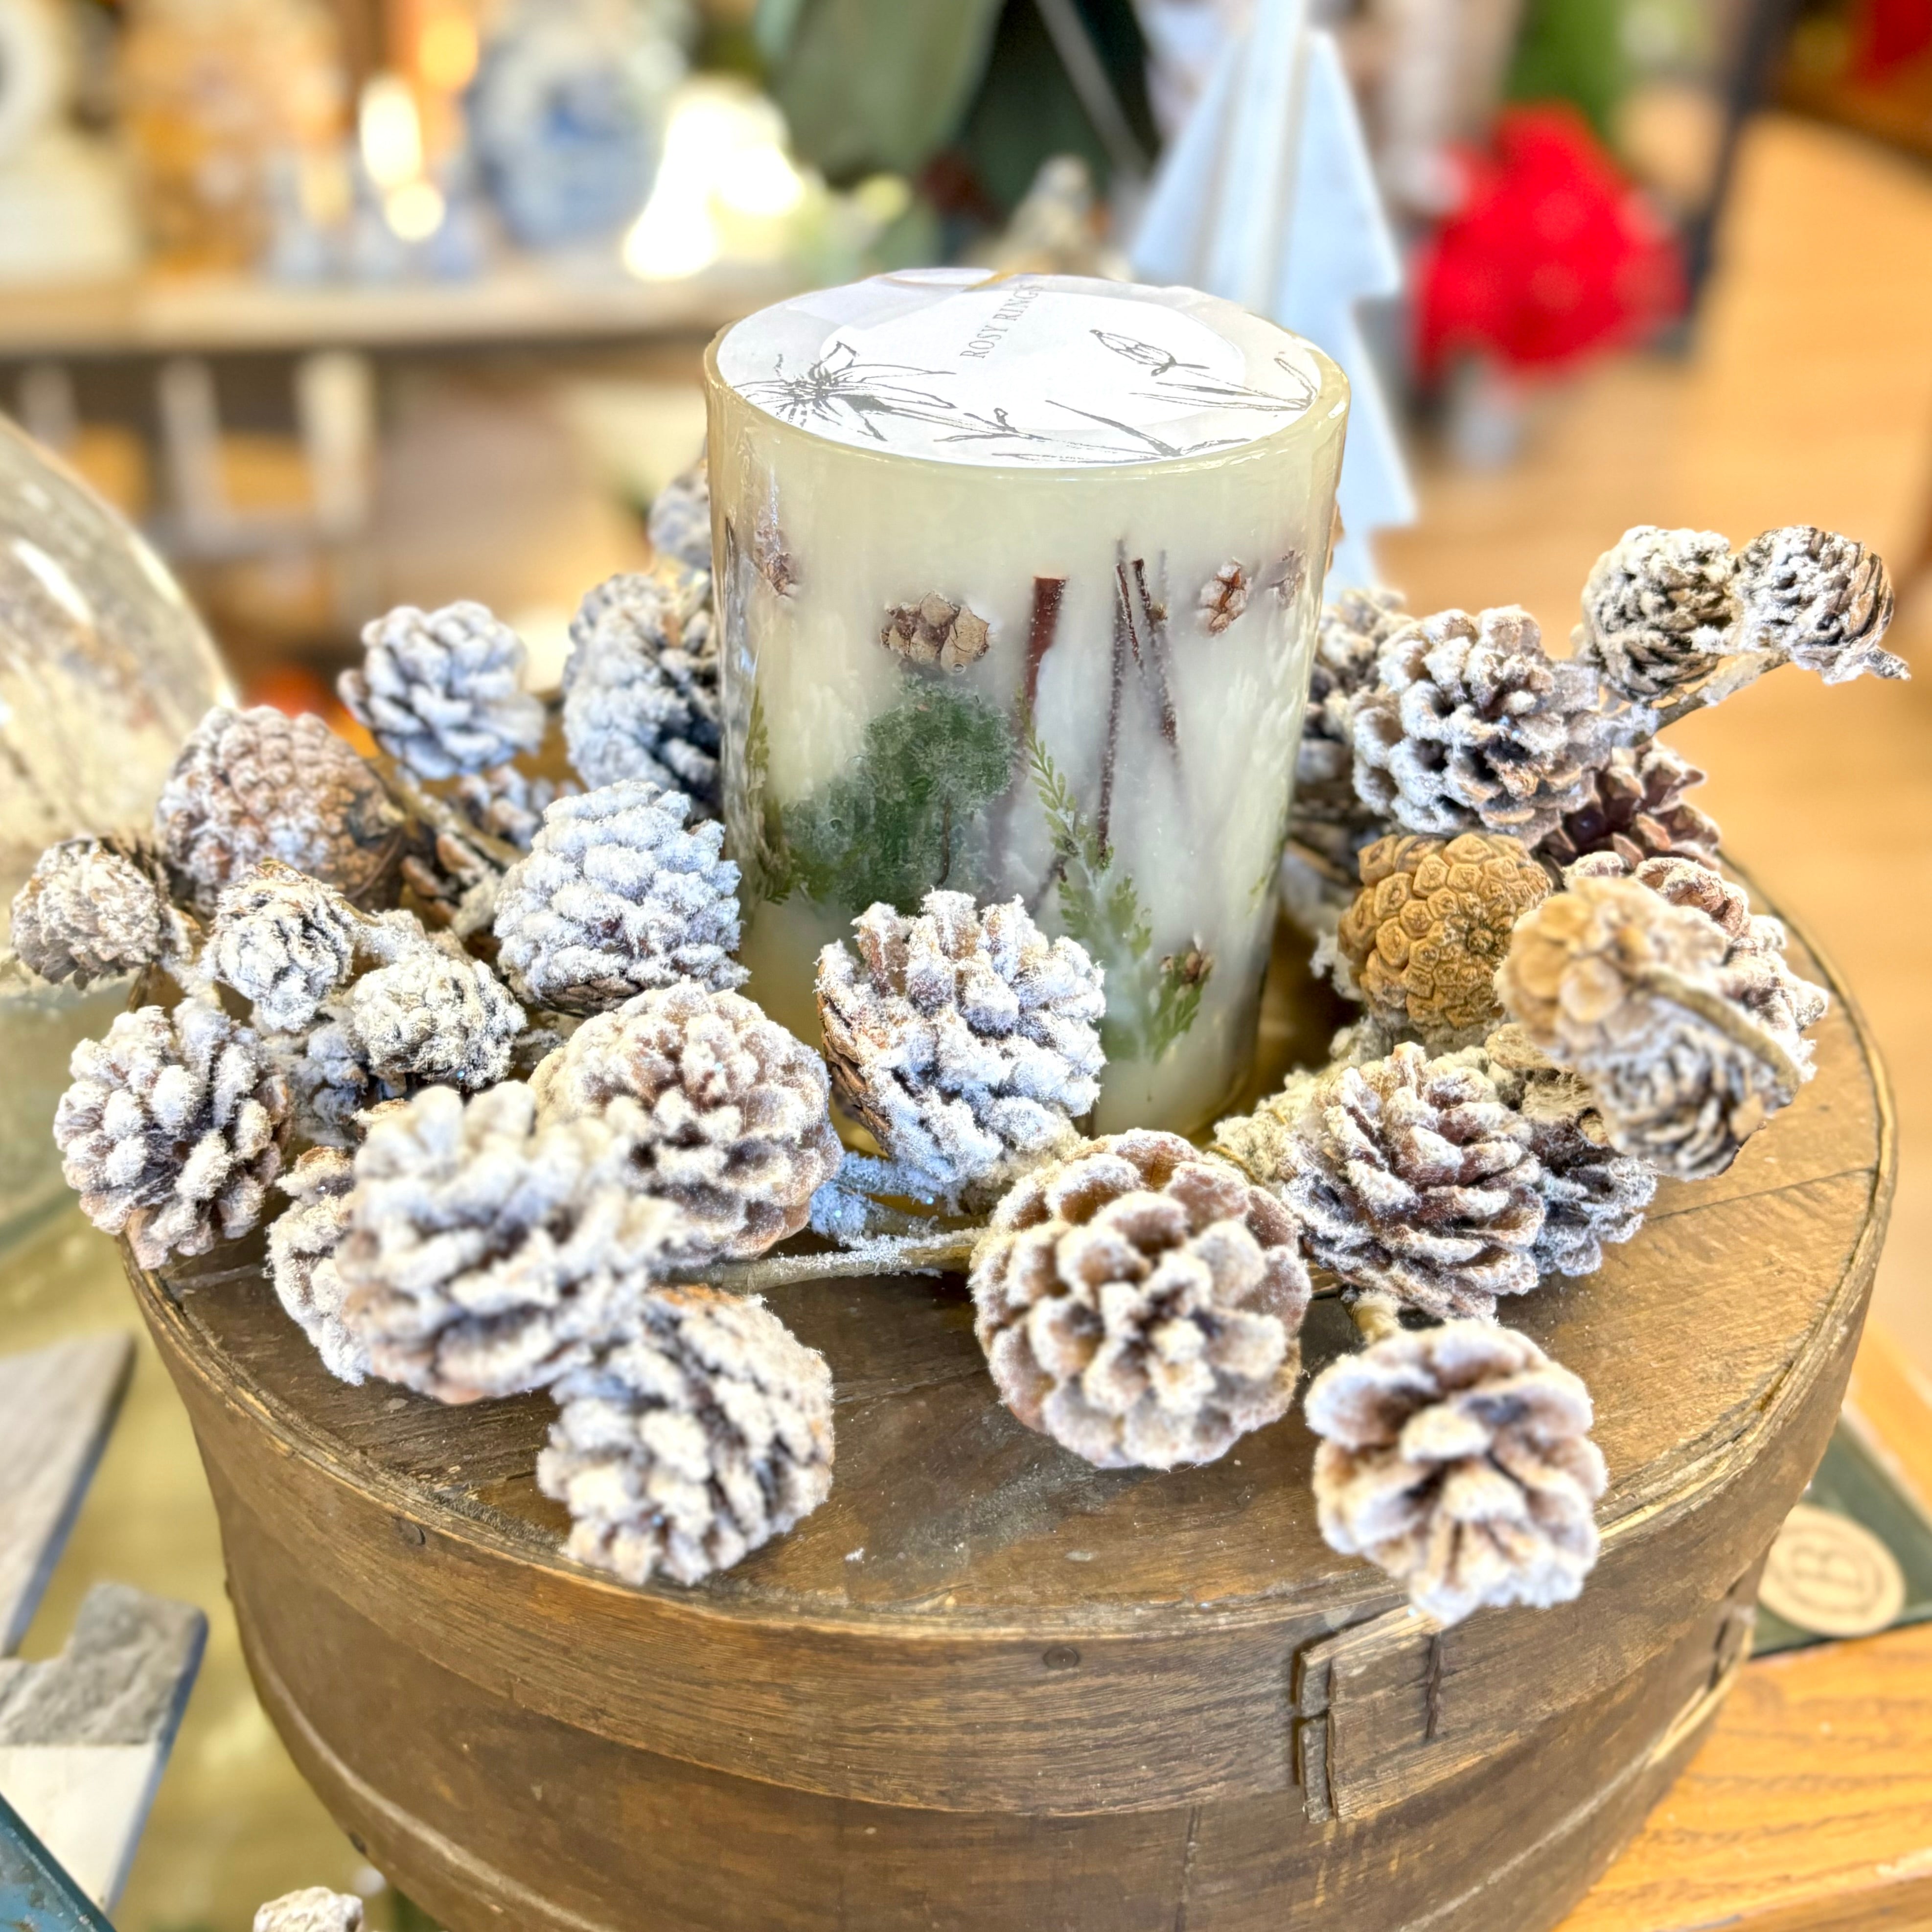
(1810, 1807)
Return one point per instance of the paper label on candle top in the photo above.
(1047, 370)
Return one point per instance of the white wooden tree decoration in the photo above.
(1268, 196)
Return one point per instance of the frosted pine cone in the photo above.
(284, 941)
(433, 1016)
(487, 1255)
(723, 1110)
(442, 691)
(250, 785)
(640, 688)
(330, 1081)
(94, 907)
(617, 898)
(1459, 1460)
(302, 1244)
(1473, 726)
(1348, 643)
(507, 804)
(1821, 600)
(1659, 611)
(173, 1129)
(936, 632)
(317, 1908)
(963, 1039)
(703, 1433)
(1612, 980)
(1141, 1303)
(1408, 1175)
(680, 519)
(1430, 926)
(1636, 809)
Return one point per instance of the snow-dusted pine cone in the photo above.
(250, 785)
(1408, 1175)
(442, 691)
(1593, 1197)
(1822, 600)
(1636, 809)
(1611, 980)
(94, 907)
(702, 1434)
(302, 1242)
(640, 688)
(316, 1908)
(1430, 926)
(330, 1081)
(618, 898)
(1660, 610)
(1140, 1302)
(965, 1041)
(1459, 1460)
(173, 1129)
(487, 1254)
(723, 1110)
(1347, 644)
(680, 519)
(1472, 726)
(506, 803)
(284, 941)
(434, 1015)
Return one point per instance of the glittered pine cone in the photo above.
(1472, 726)
(724, 1112)
(1636, 810)
(315, 1908)
(680, 520)
(1459, 1460)
(1431, 924)
(966, 1042)
(1141, 1303)
(487, 1254)
(1408, 1175)
(701, 1434)
(302, 1245)
(1348, 643)
(442, 691)
(617, 898)
(432, 1015)
(1660, 610)
(93, 908)
(1611, 980)
(284, 941)
(1822, 600)
(172, 1129)
(640, 698)
(257, 785)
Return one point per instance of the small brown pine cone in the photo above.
(702, 1432)
(1459, 1460)
(1141, 1303)
(94, 907)
(1822, 600)
(302, 1244)
(1660, 610)
(1472, 726)
(1636, 810)
(1223, 598)
(935, 631)
(1430, 926)
(316, 1908)
(251, 785)
(1408, 1175)
(723, 1112)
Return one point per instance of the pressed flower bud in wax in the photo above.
(1019, 579)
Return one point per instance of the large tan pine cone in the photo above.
(1141, 1303)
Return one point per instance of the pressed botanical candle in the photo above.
(1019, 579)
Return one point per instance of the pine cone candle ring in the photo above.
(302, 1245)
(724, 1113)
(1459, 1460)
(173, 1129)
(699, 1436)
(251, 785)
(284, 941)
(1660, 609)
(618, 898)
(965, 1041)
(1431, 924)
(936, 632)
(1822, 600)
(93, 908)
(1473, 726)
(1141, 1303)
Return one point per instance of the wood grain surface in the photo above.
(986, 1685)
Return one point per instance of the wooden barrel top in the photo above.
(970, 1589)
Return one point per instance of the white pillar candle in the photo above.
(1019, 580)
